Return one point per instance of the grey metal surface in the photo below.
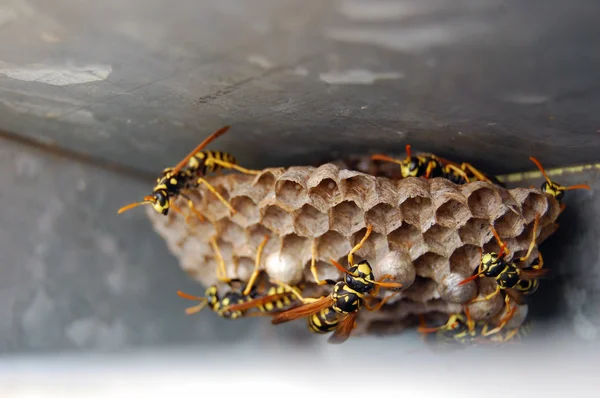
(140, 83)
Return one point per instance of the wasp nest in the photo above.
(427, 234)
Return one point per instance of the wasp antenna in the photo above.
(539, 166)
(204, 143)
(189, 296)
(130, 206)
(385, 158)
(408, 153)
(339, 266)
(469, 279)
(580, 186)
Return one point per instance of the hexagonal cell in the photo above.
(509, 225)
(296, 245)
(532, 202)
(325, 194)
(243, 268)
(412, 187)
(368, 251)
(465, 260)
(387, 193)
(255, 235)
(476, 232)
(404, 237)
(277, 220)
(347, 218)
(265, 181)
(291, 193)
(398, 265)
(384, 218)
(230, 232)
(431, 265)
(451, 292)
(422, 289)
(452, 214)
(211, 205)
(325, 270)
(418, 211)
(332, 245)
(247, 212)
(442, 240)
(360, 189)
(484, 203)
(310, 222)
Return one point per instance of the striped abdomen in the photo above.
(324, 321)
(203, 162)
(284, 299)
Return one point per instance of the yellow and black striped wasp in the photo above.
(189, 174)
(554, 189)
(430, 166)
(509, 277)
(337, 311)
(461, 329)
(275, 298)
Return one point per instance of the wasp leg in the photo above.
(540, 263)
(358, 246)
(533, 239)
(221, 269)
(256, 270)
(217, 194)
(192, 209)
(459, 171)
(378, 306)
(478, 174)
(228, 165)
(504, 319)
(295, 292)
(313, 267)
(429, 169)
(488, 297)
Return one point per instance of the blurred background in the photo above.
(96, 98)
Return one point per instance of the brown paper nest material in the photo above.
(428, 234)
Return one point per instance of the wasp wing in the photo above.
(345, 327)
(256, 302)
(303, 311)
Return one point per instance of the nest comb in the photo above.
(426, 233)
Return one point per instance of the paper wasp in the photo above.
(275, 298)
(189, 174)
(337, 311)
(462, 329)
(509, 277)
(554, 189)
(431, 166)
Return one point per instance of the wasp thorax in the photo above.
(360, 277)
(492, 264)
(553, 189)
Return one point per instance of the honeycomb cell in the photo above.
(387, 193)
(230, 232)
(421, 290)
(476, 232)
(465, 260)
(534, 204)
(277, 220)
(441, 240)
(256, 234)
(284, 267)
(509, 225)
(211, 207)
(384, 218)
(431, 265)
(418, 211)
(310, 222)
(325, 194)
(296, 246)
(347, 218)
(360, 189)
(486, 309)
(247, 211)
(242, 269)
(412, 187)
(263, 183)
(325, 270)
(290, 194)
(398, 265)
(404, 237)
(450, 291)
(484, 203)
(332, 245)
(452, 214)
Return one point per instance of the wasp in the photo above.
(462, 329)
(431, 166)
(554, 189)
(189, 174)
(337, 311)
(275, 298)
(510, 278)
